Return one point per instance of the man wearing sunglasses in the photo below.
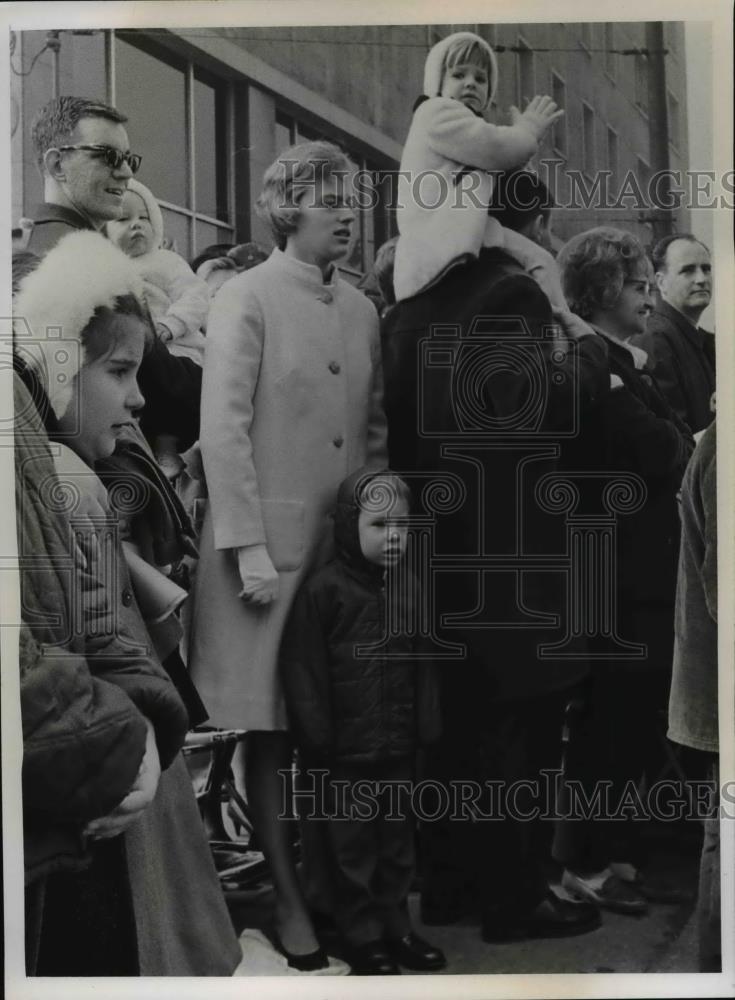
(83, 154)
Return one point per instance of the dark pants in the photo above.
(84, 920)
(370, 859)
(496, 863)
(614, 740)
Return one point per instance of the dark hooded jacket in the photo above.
(346, 704)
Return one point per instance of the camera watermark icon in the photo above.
(501, 382)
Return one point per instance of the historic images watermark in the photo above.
(319, 795)
(572, 189)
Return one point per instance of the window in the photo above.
(184, 137)
(611, 58)
(559, 129)
(290, 131)
(674, 121)
(612, 151)
(526, 73)
(641, 81)
(588, 139)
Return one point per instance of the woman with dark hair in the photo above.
(632, 430)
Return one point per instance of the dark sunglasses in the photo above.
(114, 158)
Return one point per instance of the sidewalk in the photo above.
(664, 940)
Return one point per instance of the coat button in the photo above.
(334, 367)
(127, 597)
(338, 441)
(325, 297)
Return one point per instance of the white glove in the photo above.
(538, 116)
(258, 575)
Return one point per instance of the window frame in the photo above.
(525, 48)
(614, 168)
(588, 141)
(223, 158)
(561, 124)
(674, 129)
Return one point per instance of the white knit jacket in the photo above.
(444, 188)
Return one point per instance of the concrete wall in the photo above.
(370, 76)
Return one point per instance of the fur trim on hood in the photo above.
(154, 212)
(434, 66)
(56, 301)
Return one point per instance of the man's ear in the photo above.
(52, 165)
(659, 276)
(537, 228)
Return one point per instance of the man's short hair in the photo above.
(518, 198)
(55, 122)
(658, 254)
(594, 266)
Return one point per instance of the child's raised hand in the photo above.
(539, 115)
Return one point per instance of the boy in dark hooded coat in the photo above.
(361, 699)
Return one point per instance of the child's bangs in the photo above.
(468, 53)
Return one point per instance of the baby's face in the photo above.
(383, 535)
(468, 84)
(133, 231)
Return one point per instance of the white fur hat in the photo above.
(154, 212)
(56, 301)
(434, 66)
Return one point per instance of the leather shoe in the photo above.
(552, 918)
(412, 952)
(371, 959)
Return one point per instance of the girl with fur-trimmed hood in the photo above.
(445, 182)
(119, 877)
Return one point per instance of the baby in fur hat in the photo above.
(177, 298)
(445, 184)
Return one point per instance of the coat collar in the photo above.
(50, 212)
(639, 356)
(307, 274)
(693, 333)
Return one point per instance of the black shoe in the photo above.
(371, 959)
(553, 917)
(309, 962)
(412, 952)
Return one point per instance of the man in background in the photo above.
(680, 353)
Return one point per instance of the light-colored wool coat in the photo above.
(444, 188)
(291, 404)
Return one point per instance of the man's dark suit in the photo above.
(682, 359)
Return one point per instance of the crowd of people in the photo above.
(231, 456)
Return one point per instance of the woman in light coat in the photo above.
(291, 404)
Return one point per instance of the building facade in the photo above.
(209, 109)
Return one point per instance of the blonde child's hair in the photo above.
(470, 52)
(451, 51)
